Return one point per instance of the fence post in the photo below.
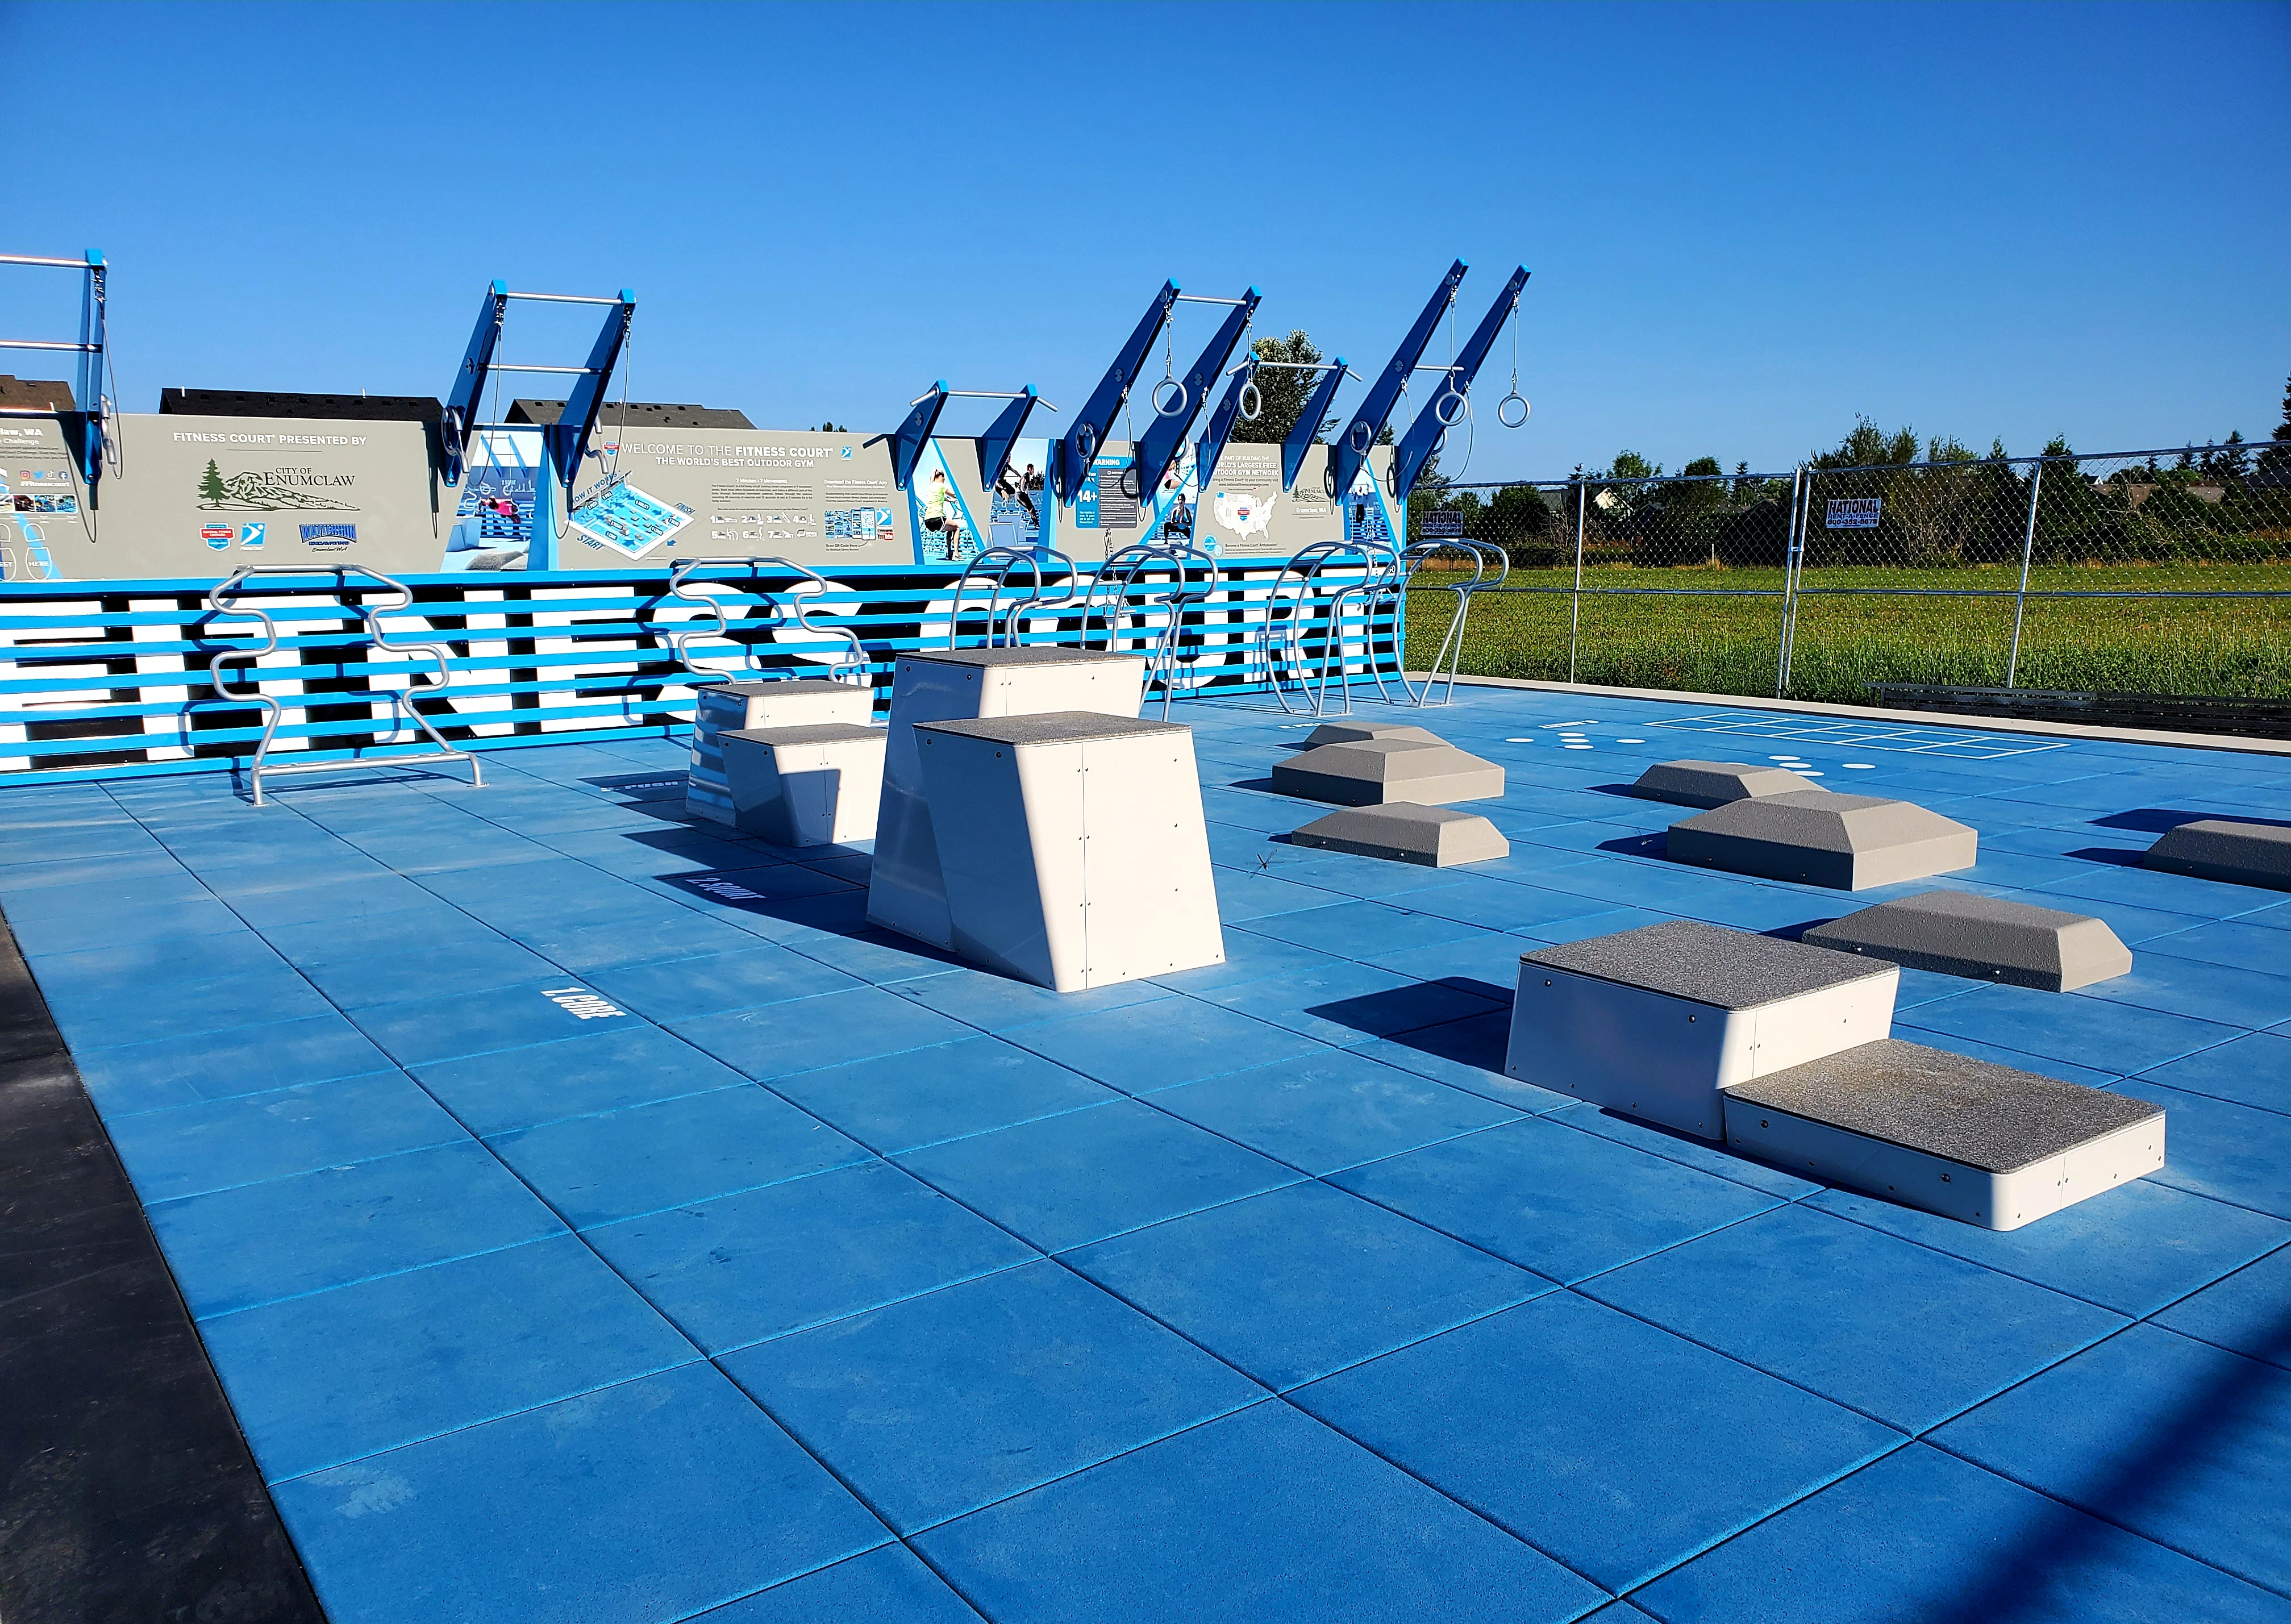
(1575, 601)
(2020, 597)
(1799, 491)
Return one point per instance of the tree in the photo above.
(210, 490)
(835, 428)
(2275, 461)
(1283, 390)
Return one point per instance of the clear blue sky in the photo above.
(1747, 223)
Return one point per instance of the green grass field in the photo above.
(1727, 645)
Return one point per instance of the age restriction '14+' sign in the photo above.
(1855, 512)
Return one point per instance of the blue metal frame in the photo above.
(460, 419)
(1423, 437)
(1081, 442)
(1165, 434)
(1352, 446)
(1308, 425)
(1210, 450)
(568, 437)
(994, 445)
(914, 433)
(83, 425)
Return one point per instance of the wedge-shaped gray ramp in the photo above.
(1437, 837)
(1655, 1022)
(1715, 784)
(1372, 772)
(1352, 733)
(2215, 848)
(1847, 842)
(1966, 1139)
(1986, 938)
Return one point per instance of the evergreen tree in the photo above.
(2275, 461)
(211, 491)
(1283, 390)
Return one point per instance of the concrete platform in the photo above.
(1984, 938)
(1372, 772)
(728, 707)
(1966, 1139)
(1655, 1022)
(805, 786)
(906, 891)
(1437, 837)
(2215, 848)
(1354, 733)
(1716, 784)
(1847, 842)
(1083, 858)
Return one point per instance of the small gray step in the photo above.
(1370, 772)
(1352, 733)
(2215, 848)
(1716, 784)
(1437, 837)
(1985, 939)
(1847, 842)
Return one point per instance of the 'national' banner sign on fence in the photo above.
(1855, 512)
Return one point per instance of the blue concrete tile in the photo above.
(672, 1152)
(888, 1583)
(354, 899)
(2239, 997)
(186, 1004)
(1468, 1055)
(1901, 1333)
(1701, 1155)
(1321, 1111)
(2148, 888)
(257, 1243)
(653, 1499)
(1352, 929)
(997, 1003)
(436, 971)
(1922, 1535)
(1262, 1515)
(766, 1262)
(1345, 1003)
(183, 1071)
(1621, 1449)
(1924, 986)
(2228, 1152)
(1364, 877)
(2253, 1069)
(832, 1029)
(1157, 1045)
(422, 1030)
(1298, 1282)
(679, 989)
(941, 1405)
(2247, 944)
(2172, 1438)
(319, 1380)
(1064, 1180)
(1487, 963)
(628, 1063)
(92, 975)
(1564, 1203)
(1613, 922)
(2249, 1313)
(192, 1150)
(674, 932)
(2088, 1031)
(903, 1101)
(1247, 958)
(1246, 896)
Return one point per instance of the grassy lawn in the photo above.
(1727, 645)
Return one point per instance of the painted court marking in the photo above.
(1864, 735)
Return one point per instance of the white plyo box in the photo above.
(727, 707)
(1655, 1023)
(1075, 854)
(906, 891)
(805, 786)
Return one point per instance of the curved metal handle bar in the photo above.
(1303, 576)
(1484, 555)
(798, 608)
(1124, 568)
(995, 565)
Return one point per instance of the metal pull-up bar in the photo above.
(993, 446)
(83, 424)
(566, 439)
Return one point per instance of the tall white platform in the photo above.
(1072, 847)
(727, 707)
(907, 891)
(805, 786)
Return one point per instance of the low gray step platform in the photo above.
(1372, 772)
(1437, 837)
(1352, 733)
(1965, 1138)
(1656, 1021)
(2215, 848)
(1847, 842)
(1716, 784)
(1985, 939)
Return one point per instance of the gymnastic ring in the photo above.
(1360, 437)
(1503, 410)
(1182, 399)
(1329, 478)
(1447, 416)
(1086, 439)
(1250, 402)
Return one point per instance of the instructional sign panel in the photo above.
(617, 515)
(1245, 514)
(813, 498)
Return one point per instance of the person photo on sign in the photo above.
(942, 513)
(1013, 485)
(1180, 522)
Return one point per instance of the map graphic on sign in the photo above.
(1242, 513)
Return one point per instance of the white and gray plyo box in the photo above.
(1073, 847)
(1656, 1021)
(804, 786)
(906, 891)
(725, 707)
(1966, 1139)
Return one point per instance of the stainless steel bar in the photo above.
(1575, 609)
(520, 366)
(1206, 299)
(563, 298)
(2020, 597)
(47, 344)
(42, 258)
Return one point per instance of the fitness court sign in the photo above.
(1853, 512)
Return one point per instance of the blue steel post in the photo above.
(1001, 434)
(1081, 443)
(1416, 446)
(914, 433)
(1309, 423)
(1210, 449)
(461, 418)
(1167, 433)
(567, 439)
(1351, 447)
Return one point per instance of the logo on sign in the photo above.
(217, 536)
(1855, 512)
(251, 535)
(329, 536)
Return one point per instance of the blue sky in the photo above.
(1747, 223)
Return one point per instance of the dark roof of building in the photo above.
(640, 415)
(36, 394)
(261, 403)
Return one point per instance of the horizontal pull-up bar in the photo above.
(506, 366)
(42, 343)
(42, 258)
(978, 394)
(1295, 367)
(563, 297)
(1205, 298)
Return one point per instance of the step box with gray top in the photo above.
(1072, 847)
(727, 707)
(1982, 939)
(1354, 733)
(805, 786)
(2216, 848)
(905, 892)
(1437, 837)
(1654, 1023)
(1965, 1138)
(1846, 842)
(1716, 784)
(1373, 772)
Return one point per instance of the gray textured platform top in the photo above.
(1394, 815)
(2264, 834)
(1030, 655)
(810, 733)
(1708, 964)
(1976, 1112)
(784, 685)
(1052, 728)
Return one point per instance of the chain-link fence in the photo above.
(2132, 572)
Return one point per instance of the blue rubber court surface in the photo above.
(591, 1220)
